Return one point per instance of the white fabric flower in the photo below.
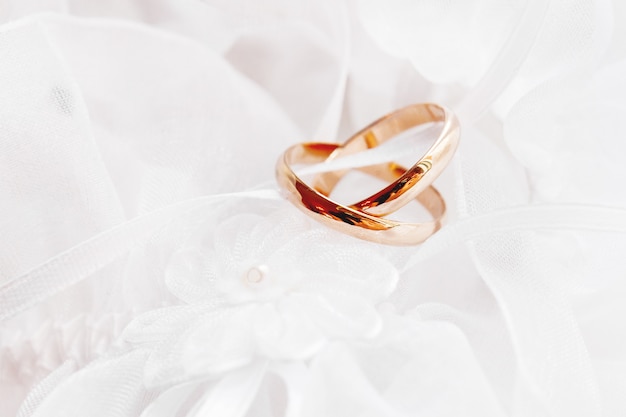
(273, 287)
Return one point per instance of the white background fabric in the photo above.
(138, 206)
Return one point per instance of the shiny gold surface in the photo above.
(364, 219)
(347, 219)
(419, 176)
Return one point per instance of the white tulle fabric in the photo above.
(149, 267)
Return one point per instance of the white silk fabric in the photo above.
(150, 267)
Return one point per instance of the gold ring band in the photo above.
(365, 219)
(423, 173)
(347, 219)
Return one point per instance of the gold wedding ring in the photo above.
(365, 219)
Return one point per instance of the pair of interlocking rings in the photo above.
(366, 219)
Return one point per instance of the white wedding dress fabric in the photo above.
(150, 267)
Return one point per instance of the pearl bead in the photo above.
(256, 274)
